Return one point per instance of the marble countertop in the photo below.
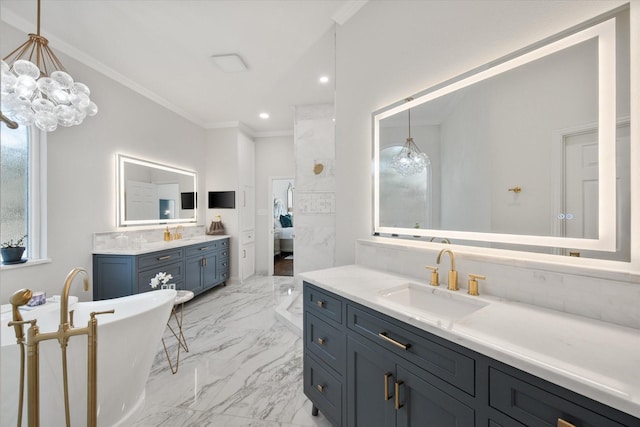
(162, 245)
(594, 358)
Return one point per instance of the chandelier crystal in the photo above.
(36, 89)
(410, 160)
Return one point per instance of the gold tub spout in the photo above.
(64, 298)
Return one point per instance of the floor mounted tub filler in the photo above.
(128, 341)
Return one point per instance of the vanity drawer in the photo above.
(176, 270)
(443, 362)
(201, 249)
(533, 406)
(160, 258)
(326, 342)
(224, 243)
(322, 304)
(324, 390)
(223, 254)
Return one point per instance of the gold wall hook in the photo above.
(516, 189)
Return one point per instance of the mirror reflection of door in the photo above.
(579, 216)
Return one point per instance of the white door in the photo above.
(581, 191)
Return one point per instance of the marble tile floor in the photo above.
(244, 367)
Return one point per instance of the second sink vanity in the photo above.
(383, 349)
(197, 264)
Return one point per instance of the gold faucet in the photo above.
(64, 332)
(452, 283)
(64, 298)
(178, 234)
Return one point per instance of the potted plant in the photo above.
(12, 250)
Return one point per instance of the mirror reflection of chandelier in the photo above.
(36, 89)
(410, 160)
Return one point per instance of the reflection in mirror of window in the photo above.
(14, 203)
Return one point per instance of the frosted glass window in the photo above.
(14, 177)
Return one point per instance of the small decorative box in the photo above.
(38, 298)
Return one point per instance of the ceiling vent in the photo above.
(231, 63)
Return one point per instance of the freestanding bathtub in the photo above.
(128, 340)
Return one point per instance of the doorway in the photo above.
(281, 236)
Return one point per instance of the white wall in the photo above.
(274, 158)
(81, 171)
(221, 156)
(391, 50)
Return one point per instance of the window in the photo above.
(22, 194)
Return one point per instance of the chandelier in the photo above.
(36, 89)
(410, 160)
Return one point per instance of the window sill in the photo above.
(29, 263)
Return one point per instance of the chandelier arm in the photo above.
(19, 51)
(53, 58)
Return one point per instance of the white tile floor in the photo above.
(244, 367)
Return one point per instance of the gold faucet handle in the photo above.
(71, 313)
(473, 283)
(435, 279)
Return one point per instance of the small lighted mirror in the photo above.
(153, 193)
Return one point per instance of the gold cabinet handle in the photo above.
(206, 248)
(384, 336)
(563, 423)
(321, 341)
(162, 258)
(320, 388)
(398, 405)
(386, 386)
(321, 303)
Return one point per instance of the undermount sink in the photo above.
(431, 303)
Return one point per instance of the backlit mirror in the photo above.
(153, 193)
(529, 152)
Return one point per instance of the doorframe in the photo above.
(269, 221)
(559, 138)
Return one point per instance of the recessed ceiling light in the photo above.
(324, 79)
(264, 115)
(229, 63)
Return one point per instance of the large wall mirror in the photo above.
(529, 152)
(153, 193)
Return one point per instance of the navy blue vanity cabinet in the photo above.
(207, 265)
(201, 267)
(114, 276)
(324, 353)
(363, 368)
(528, 401)
(222, 261)
(384, 387)
(149, 265)
(197, 267)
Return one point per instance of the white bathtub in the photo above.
(128, 340)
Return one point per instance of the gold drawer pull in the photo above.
(398, 405)
(384, 336)
(320, 388)
(386, 386)
(205, 248)
(161, 258)
(321, 341)
(321, 303)
(563, 423)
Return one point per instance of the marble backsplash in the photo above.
(611, 296)
(136, 239)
